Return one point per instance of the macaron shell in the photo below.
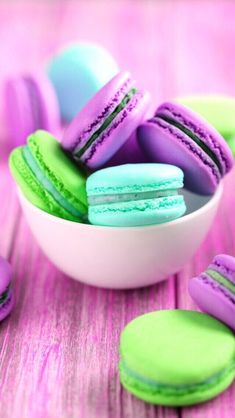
(202, 129)
(93, 114)
(138, 213)
(5, 274)
(6, 307)
(134, 178)
(118, 132)
(211, 298)
(225, 265)
(166, 144)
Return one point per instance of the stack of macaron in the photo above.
(76, 179)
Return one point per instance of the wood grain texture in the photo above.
(59, 348)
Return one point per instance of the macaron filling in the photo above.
(219, 278)
(133, 378)
(194, 137)
(47, 184)
(4, 295)
(127, 197)
(107, 122)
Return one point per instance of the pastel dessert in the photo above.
(102, 127)
(77, 72)
(214, 290)
(176, 357)
(48, 178)
(6, 294)
(135, 195)
(30, 104)
(176, 135)
(218, 110)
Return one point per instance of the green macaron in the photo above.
(48, 178)
(176, 357)
(218, 110)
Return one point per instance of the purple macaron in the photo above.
(106, 122)
(214, 290)
(178, 136)
(30, 104)
(6, 295)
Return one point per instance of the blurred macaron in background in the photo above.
(77, 71)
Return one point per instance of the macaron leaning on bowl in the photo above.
(177, 135)
(48, 178)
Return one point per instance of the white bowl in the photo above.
(122, 258)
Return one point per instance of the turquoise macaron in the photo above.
(135, 195)
(77, 72)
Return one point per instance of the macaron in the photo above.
(101, 128)
(214, 290)
(176, 357)
(48, 178)
(135, 195)
(218, 110)
(177, 135)
(77, 72)
(6, 294)
(30, 104)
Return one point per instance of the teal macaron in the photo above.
(176, 357)
(135, 195)
(48, 178)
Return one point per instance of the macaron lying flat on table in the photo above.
(106, 122)
(176, 357)
(135, 195)
(177, 135)
(218, 110)
(6, 294)
(30, 104)
(214, 290)
(48, 178)
(77, 72)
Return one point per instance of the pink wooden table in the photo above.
(59, 348)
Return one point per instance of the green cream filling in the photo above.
(221, 280)
(150, 385)
(45, 183)
(194, 137)
(4, 295)
(107, 122)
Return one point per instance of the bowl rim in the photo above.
(215, 198)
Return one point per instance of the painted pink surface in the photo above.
(59, 348)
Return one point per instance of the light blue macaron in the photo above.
(135, 195)
(77, 72)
